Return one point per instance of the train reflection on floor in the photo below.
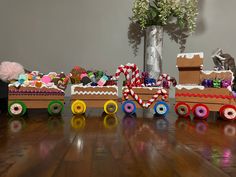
(213, 139)
(120, 136)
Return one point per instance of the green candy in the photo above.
(217, 83)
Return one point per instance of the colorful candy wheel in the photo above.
(228, 112)
(200, 111)
(182, 109)
(161, 108)
(110, 121)
(77, 122)
(110, 107)
(17, 108)
(129, 107)
(55, 107)
(78, 107)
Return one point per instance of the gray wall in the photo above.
(55, 35)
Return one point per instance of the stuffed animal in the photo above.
(224, 61)
(10, 71)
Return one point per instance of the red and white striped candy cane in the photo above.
(164, 77)
(159, 92)
(127, 69)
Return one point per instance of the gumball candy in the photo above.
(207, 83)
(225, 83)
(204, 83)
(216, 83)
(210, 83)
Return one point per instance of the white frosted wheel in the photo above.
(228, 112)
(17, 108)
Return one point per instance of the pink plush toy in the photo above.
(10, 71)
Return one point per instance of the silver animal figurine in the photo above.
(224, 61)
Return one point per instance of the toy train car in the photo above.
(35, 92)
(83, 97)
(145, 97)
(30, 98)
(202, 91)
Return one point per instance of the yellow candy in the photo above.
(30, 77)
(38, 84)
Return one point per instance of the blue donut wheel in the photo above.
(129, 107)
(161, 108)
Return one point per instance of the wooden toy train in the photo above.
(33, 90)
(198, 91)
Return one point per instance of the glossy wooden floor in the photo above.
(99, 146)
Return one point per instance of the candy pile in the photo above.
(84, 77)
(39, 80)
(216, 83)
(144, 80)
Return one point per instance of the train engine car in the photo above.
(202, 91)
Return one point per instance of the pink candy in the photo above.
(46, 79)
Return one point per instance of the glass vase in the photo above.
(153, 50)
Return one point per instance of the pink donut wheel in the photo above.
(182, 109)
(201, 111)
(129, 107)
(228, 112)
